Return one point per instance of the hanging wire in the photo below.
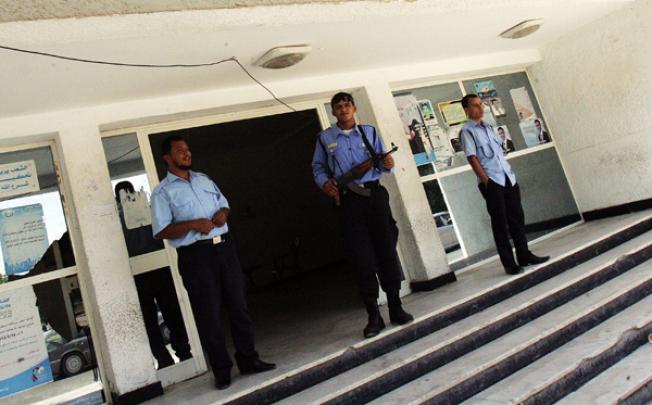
(232, 59)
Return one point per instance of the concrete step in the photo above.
(467, 376)
(369, 380)
(361, 353)
(591, 358)
(618, 382)
(640, 395)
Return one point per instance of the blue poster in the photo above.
(24, 359)
(23, 237)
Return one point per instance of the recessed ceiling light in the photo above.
(522, 29)
(283, 56)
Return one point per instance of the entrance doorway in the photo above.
(287, 232)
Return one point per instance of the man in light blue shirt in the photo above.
(497, 183)
(190, 211)
(370, 232)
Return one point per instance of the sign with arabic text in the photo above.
(23, 237)
(18, 178)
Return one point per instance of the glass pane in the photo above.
(156, 291)
(442, 217)
(127, 169)
(46, 328)
(432, 134)
(34, 236)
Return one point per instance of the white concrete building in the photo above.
(584, 75)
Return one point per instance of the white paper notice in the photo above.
(136, 209)
(522, 103)
(18, 178)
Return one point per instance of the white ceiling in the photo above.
(345, 36)
(23, 10)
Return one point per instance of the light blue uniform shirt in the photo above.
(337, 153)
(480, 140)
(177, 200)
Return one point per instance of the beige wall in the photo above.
(596, 88)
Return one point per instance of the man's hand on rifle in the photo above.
(388, 162)
(364, 167)
(330, 188)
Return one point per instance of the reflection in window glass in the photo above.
(32, 223)
(44, 324)
(443, 220)
(127, 169)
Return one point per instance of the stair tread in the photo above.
(454, 371)
(616, 381)
(350, 377)
(560, 361)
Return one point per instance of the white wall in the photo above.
(596, 88)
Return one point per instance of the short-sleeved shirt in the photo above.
(177, 200)
(337, 152)
(480, 140)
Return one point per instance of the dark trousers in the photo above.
(507, 219)
(213, 277)
(370, 236)
(157, 287)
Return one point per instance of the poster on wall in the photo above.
(508, 143)
(485, 88)
(522, 103)
(488, 116)
(427, 112)
(415, 128)
(496, 105)
(534, 132)
(23, 237)
(18, 178)
(24, 359)
(453, 112)
(135, 208)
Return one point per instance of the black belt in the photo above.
(371, 184)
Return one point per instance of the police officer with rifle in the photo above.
(348, 162)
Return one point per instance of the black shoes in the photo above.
(375, 326)
(513, 270)
(399, 317)
(223, 380)
(257, 366)
(533, 259)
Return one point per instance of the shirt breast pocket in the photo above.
(485, 146)
(183, 210)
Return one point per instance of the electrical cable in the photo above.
(150, 65)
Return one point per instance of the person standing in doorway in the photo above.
(370, 232)
(191, 212)
(155, 291)
(497, 183)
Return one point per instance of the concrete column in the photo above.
(109, 291)
(421, 249)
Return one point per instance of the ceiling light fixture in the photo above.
(522, 29)
(283, 56)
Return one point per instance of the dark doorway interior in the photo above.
(286, 230)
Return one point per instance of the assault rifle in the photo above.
(347, 180)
